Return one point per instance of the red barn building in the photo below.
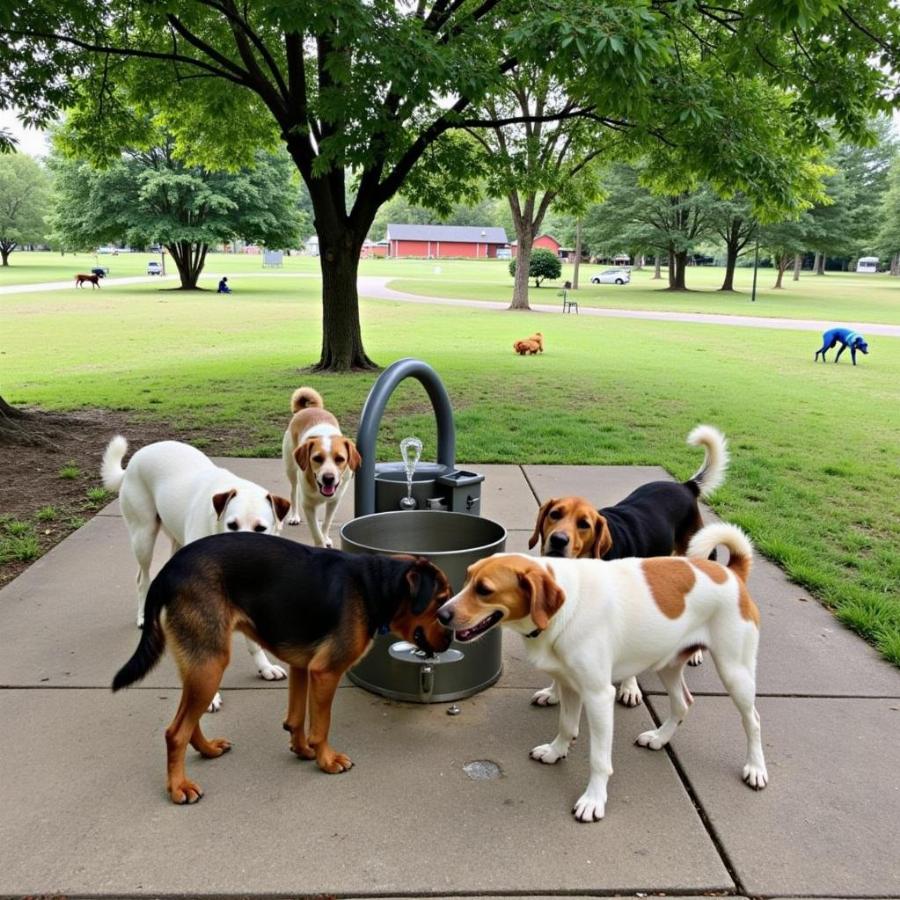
(542, 241)
(440, 241)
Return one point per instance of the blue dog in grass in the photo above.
(846, 337)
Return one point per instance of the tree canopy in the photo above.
(24, 202)
(149, 196)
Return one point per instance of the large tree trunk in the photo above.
(657, 268)
(677, 280)
(820, 264)
(577, 255)
(782, 264)
(798, 264)
(6, 247)
(731, 258)
(342, 344)
(671, 268)
(525, 242)
(189, 259)
(895, 264)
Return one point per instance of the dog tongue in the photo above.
(327, 490)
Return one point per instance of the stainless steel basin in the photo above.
(452, 541)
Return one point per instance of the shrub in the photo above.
(544, 264)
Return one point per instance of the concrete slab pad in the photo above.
(603, 485)
(828, 822)
(507, 497)
(86, 810)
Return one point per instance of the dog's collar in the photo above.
(535, 633)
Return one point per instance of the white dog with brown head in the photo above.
(589, 623)
(319, 462)
(174, 488)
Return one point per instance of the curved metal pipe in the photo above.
(370, 420)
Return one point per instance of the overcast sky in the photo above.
(30, 141)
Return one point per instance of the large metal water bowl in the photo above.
(452, 541)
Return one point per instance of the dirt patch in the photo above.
(46, 492)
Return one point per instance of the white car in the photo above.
(154, 268)
(612, 276)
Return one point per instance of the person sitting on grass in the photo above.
(223, 287)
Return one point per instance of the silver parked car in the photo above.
(154, 268)
(612, 276)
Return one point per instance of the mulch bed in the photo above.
(30, 477)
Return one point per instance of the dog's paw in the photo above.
(215, 748)
(184, 792)
(327, 542)
(140, 620)
(334, 763)
(629, 694)
(294, 519)
(590, 806)
(216, 703)
(696, 659)
(545, 697)
(651, 740)
(271, 672)
(547, 754)
(755, 776)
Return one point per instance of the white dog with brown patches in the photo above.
(590, 623)
(175, 488)
(319, 461)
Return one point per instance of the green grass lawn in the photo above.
(838, 296)
(815, 448)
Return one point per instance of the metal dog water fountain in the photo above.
(432, 510)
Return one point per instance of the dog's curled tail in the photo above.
(111, 470)
(739, 547)
(305, 397)
(152, 643)
(712, 473)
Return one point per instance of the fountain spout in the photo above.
(370, 420)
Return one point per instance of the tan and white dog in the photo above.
(319, 462)
(175, 488)
(590, 623)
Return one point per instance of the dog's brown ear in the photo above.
(539, 526)
(280, 506)
(220, 501)
(602, 538)
(545, 595)
(354, 460)
(302, 453)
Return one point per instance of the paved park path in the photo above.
(376, 287)
(83, 809)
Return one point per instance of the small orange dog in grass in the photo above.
(527, 347)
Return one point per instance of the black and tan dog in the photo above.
(315, 609)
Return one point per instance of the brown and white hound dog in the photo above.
(319, 462)
(590, 623)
